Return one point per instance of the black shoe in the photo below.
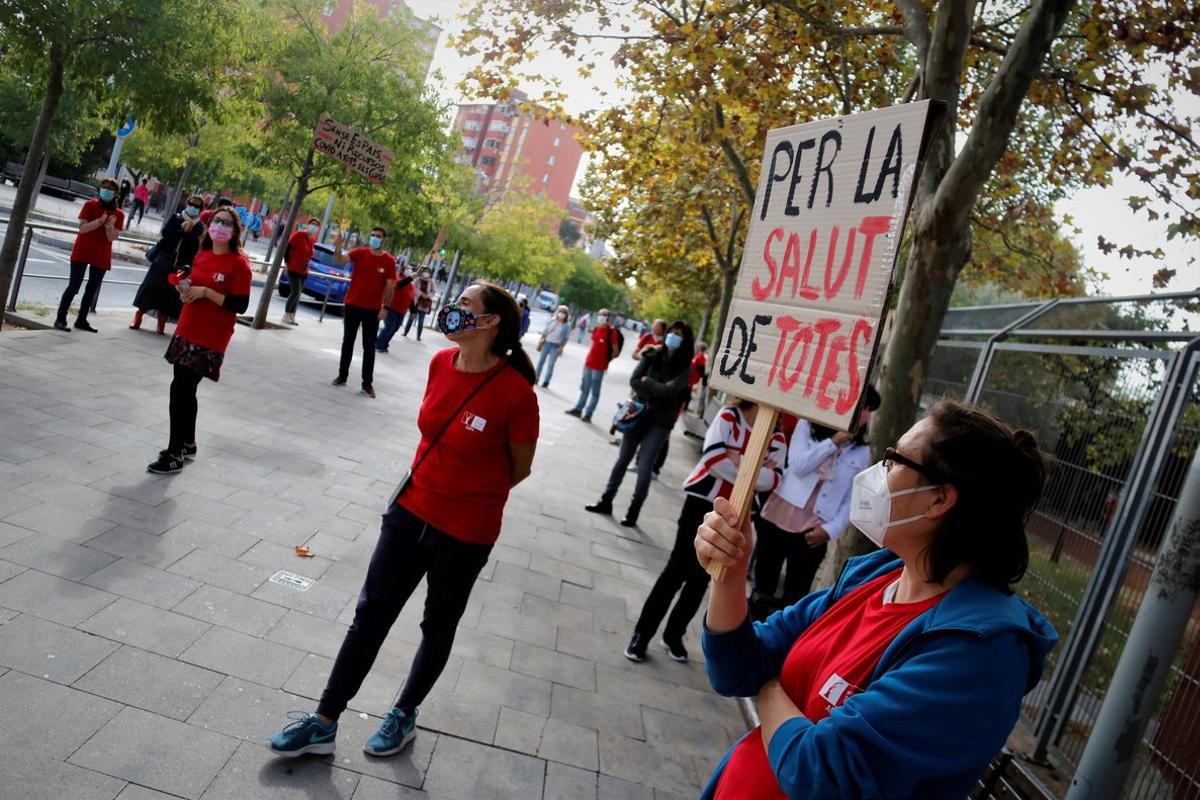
(61, 325)
(675, 649)
(167, 464)
(545, 386)
(81, 324)
(586, 418)
(601, 506)
(636, 650)
(338, 381)
(187, 454)
(629, 522)
(574, 412)
(368, 390)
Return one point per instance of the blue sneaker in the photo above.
(397, 730)
(306, 734)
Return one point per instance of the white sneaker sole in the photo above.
(405, 742)
(320, 749)
(671, 655)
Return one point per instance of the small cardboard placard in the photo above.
(816, 273)
(359, 154)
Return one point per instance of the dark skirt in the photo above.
(193, 356)
(157, 295)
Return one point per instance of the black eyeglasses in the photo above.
(890, 455)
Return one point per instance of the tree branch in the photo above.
(916, 27)
(838, 30)
(735, 161)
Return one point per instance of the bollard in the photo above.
(16, 286)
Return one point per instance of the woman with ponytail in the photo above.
(905, 678)
(479, 427)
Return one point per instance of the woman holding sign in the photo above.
(906, 677)
(660, 381)
(479, 427)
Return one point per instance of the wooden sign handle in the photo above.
(742, 498)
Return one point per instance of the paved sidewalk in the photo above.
(146, 653)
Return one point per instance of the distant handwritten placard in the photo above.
(806, 316)
(360, 154)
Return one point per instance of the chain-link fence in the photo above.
(1109, 386)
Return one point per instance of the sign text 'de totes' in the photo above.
(360, 154)
(806, 316)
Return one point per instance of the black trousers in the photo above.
(296, 285)
(408, 549)
(354, 318)
(774, 547)
(95, 277)
(682, 574)
(183, 408)
(650, 438)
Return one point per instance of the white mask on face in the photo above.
(602, 319)
(871, 503)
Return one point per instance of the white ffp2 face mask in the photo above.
(871, 503)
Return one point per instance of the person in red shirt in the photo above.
(214, 291)
(479, 428)
(206, 216)
(372, 281)
(100, 222)
(605, 345)
(297, 255)
(402, 300)
(905, 678)
(141, 196)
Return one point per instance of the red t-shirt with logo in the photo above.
(299, 251)
(830, 662)
(203, 322)
(604, 343)
(461, 486)
(94, 247)
(369, 277)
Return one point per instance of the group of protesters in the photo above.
(903, 679)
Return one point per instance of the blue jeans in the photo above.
(592, 378)
(549, 353)
(390, 326)
(420, 320)
(650, 439)
(582, 334)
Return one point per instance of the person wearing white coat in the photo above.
(808, 510)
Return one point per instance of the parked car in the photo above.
(547, 301)
(320, 267)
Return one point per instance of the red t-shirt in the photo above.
(203, 322)
(598, 355)
(645, 340)
(369, 277)
(461, 486)
(300, 250)
(831, 661)
(699, 362)
(402, 298)
(141, 192)
(94, 247)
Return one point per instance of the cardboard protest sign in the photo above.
(360, 154)
(812, 291)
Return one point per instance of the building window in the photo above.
(488, 161)
(472, 126)
(498, 125)
(557, 141)
(491, 143)
(550, 161)
(470, 142)
(546, 178)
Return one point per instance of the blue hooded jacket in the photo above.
(939, 705)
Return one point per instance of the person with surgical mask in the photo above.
(660, 383)
(372, 281)
(101, 220)
(296, 255)
(424, 291)
(606, 343)
(808, 510)
(478, 425)
(553, 340)
(214, 290)
(178, 244)
(905, 677)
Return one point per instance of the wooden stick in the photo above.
(742, 498)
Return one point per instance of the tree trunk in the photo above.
(278, 230)
(706, 320)
(179, 189)
(728, 284)
(37, 144)
(264, 300)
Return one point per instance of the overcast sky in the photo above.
(1097, 211)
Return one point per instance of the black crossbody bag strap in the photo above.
(404, 480)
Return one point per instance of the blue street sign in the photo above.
(127, 128)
